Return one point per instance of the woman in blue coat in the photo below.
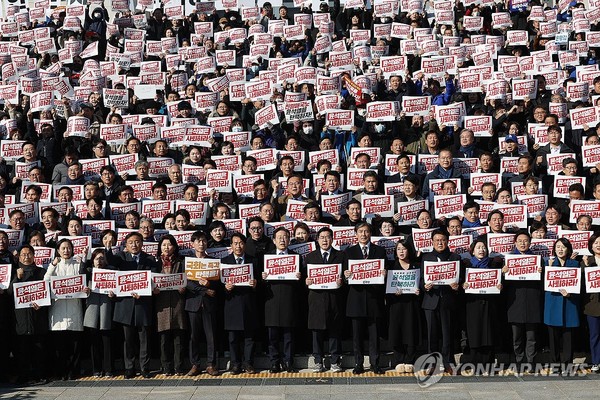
(561, 309)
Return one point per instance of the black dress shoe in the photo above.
(376, 370)
(146, 374)
(130, 374)
(108, 375)
(236, 370)
(249, 369)
(275, 368)
(358, 369)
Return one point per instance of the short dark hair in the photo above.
(132, 234)
(281, 229)
(362, 225)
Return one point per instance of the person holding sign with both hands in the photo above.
(169, 306)
(440, 301)
(66, 315)
(134, 313)
(404, 313)
(561, 309)
(365, 301)
(281, 307)
(240, 308)
(31, 323)
(482, 309)
(325, 305)
(524, 302)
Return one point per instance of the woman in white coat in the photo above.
(66, 315)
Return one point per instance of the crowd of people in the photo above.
(449, 136)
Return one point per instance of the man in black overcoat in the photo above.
(240, 309)
(325, 316)
(365, 302)
(135, 312)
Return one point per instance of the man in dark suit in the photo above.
(281, 308)
(325, 305)
(134, 313)
(202, 307)
(240, 310)
(555, 146)
(365, 302)
(403, 163)
(440, 301)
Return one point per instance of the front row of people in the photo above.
(196, 308)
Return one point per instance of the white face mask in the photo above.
(379, 128)
(307, 130)
(97, 15)
(236, 129)
(362, 112)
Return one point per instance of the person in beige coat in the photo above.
(66, 315)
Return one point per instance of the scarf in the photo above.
(467, 151)
(444, 173)
(167, 262)
(467, 224)
(477, 263)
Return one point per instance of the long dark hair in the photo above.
(409, 249)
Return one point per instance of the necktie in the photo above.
(281, 253)
(136, 258)
(325, 256)
(365, 252)
(239, 260)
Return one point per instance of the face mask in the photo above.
(476, 14)
(97, 15)
(362, 112)
(379, 128)
(255, 68)
(236, 129)
(307, 130)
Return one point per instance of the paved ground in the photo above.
(307, 387)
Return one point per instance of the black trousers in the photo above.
(404, 354)
(171, 350)
(203, 322)
(31, 357)
(67, 347)
(358, 327)
(440, 326)
(130, 346)
(483, 355)
(275, 334)
(555, 334)
(101, 350)
(241, 348)
(334, 349)
(524, 342)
